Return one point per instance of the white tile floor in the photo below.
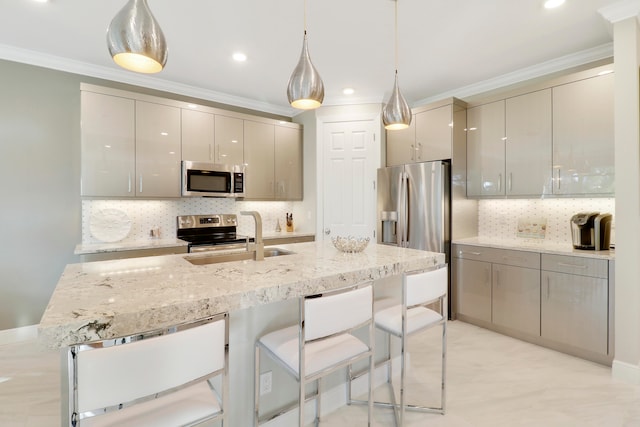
(492, 380)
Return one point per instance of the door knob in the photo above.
(327, 231)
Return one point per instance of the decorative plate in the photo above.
(110, 225)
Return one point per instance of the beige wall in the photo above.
(39, 175)
(626, 365)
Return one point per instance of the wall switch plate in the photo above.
(265, 383)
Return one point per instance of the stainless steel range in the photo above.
(210, 232)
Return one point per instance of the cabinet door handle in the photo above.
(510, 181)
(499, 182)
(548, 287)
(140, 183)
(558, 180)
(129, 190)
(412, 150)
(470, 253)
(210, 152)
(564, 264)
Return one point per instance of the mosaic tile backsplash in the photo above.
(499, 218)
(145, 215)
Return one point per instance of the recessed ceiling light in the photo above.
(239, 56)
(192, 106)
(550, 4)
(348, 91)
(41, 1)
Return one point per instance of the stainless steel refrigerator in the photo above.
(414, 206)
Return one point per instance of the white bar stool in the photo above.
(420, 289)
(320, 343)
(171, 377)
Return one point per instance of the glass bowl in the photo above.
(350, 243)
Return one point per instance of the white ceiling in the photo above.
(446, 47)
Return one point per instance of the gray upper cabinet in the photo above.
(229, 138)
(130, 148)
(528, 144)
(486, 150)
(198, 136)
(157, 150)
(208, 137)
(133, 145)
(288, 163)
(107, 145)
(433, 133)
(273, 158)
(259, 155)
(401, 145)
(553, 141)
(583, 138)
(429, 137)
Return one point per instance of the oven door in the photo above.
(240, 243)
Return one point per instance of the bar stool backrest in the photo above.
(426, 286)
(111, 375)
(327, 315)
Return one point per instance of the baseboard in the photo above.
(332, 399)
(24, 333)
(625, 372)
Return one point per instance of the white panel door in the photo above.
(349, 179)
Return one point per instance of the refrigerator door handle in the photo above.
(405, 210)
(400, 210)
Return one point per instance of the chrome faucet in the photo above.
(258, 245)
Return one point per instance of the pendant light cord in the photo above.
(305, 18)
(395, 23)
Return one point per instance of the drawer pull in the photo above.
(470, 253)
(563, 264)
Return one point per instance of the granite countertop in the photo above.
(535, 245)
(106, 299)
(96, 248)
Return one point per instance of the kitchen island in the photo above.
(106, 299)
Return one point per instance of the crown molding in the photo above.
(620, 11)
(539, 70)
(39, 59)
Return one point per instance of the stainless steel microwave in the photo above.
(202, 179)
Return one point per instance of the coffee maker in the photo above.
(591, 230)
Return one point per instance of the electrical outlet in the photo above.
(265, 383)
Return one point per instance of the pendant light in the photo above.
(396, 114)
(135, 39)
(305, 89)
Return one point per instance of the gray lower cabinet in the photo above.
(575, 302)
(473, 287)
(559, 301)
(500, 287)
(516, 298)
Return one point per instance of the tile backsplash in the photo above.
(147, 214)
(499, 218)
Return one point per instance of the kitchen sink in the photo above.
(235, 256)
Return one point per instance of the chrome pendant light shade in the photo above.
(305, 89)
(396, 114)
(135, 39)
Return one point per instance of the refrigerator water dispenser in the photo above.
(389, 222)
